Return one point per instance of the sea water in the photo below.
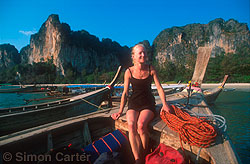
(8, 100)
(233, 104)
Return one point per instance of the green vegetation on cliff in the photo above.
(174, 51)
(45, 73)
(235, 65)
(83, 58)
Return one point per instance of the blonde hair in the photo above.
(139, 44)
(133, 49)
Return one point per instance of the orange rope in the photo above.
(193, 130)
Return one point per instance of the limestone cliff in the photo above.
(221, 36)
(72, 49)
(81, 51)
(9, 56)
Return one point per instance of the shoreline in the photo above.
(214, 85)
(204, 85)
(227, 85)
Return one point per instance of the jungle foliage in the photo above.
(237, 66)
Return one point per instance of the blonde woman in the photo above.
(141, 105)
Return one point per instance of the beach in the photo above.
(227, 85)
(204, 85)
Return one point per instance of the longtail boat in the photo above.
(211, 95)
(203, 56)
(20, 118)
(82, 130)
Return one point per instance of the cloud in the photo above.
(28, 33)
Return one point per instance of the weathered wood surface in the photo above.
(221, 152)
(22, 120)
(58, 103)
(73, 130)
(203, 56)
(211, 95)
(61, 125)
(86, 134)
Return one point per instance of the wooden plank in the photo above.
(98, 133)
(20, 121)
(86, 134)
(203, 56)
(223, 153)
(121, 124)
(50, 142)
(170, 132)
(68, 136)
(114, 110)
(158, 124)
(47, 127)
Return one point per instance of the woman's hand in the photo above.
(115, 116)
(165, 108)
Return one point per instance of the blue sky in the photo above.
(125, 21)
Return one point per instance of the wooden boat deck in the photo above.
(4, 140)
(220, 152)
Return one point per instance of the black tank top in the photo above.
(142, 97)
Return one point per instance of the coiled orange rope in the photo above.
(192, 130)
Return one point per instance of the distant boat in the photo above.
(211, 95)
(20, 118)
(228, 89)
(203, 56)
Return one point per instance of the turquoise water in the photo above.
(8, 100)
(235, 107)
(13, 99)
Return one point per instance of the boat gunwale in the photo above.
(48, 107)
(69, 101)
(45, 128)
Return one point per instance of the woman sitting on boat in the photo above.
(141, 104)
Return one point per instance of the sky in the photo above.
(124, 21)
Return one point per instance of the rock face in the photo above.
(9, 56)
(222, 37)
(79, 50)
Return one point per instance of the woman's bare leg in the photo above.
(145, 117)
(134, 138)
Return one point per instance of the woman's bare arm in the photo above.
(124, 97)
(160, 90)
(125, 91)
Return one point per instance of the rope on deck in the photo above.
(219, 120)
(192, 130)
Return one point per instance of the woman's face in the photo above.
(139, 55)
